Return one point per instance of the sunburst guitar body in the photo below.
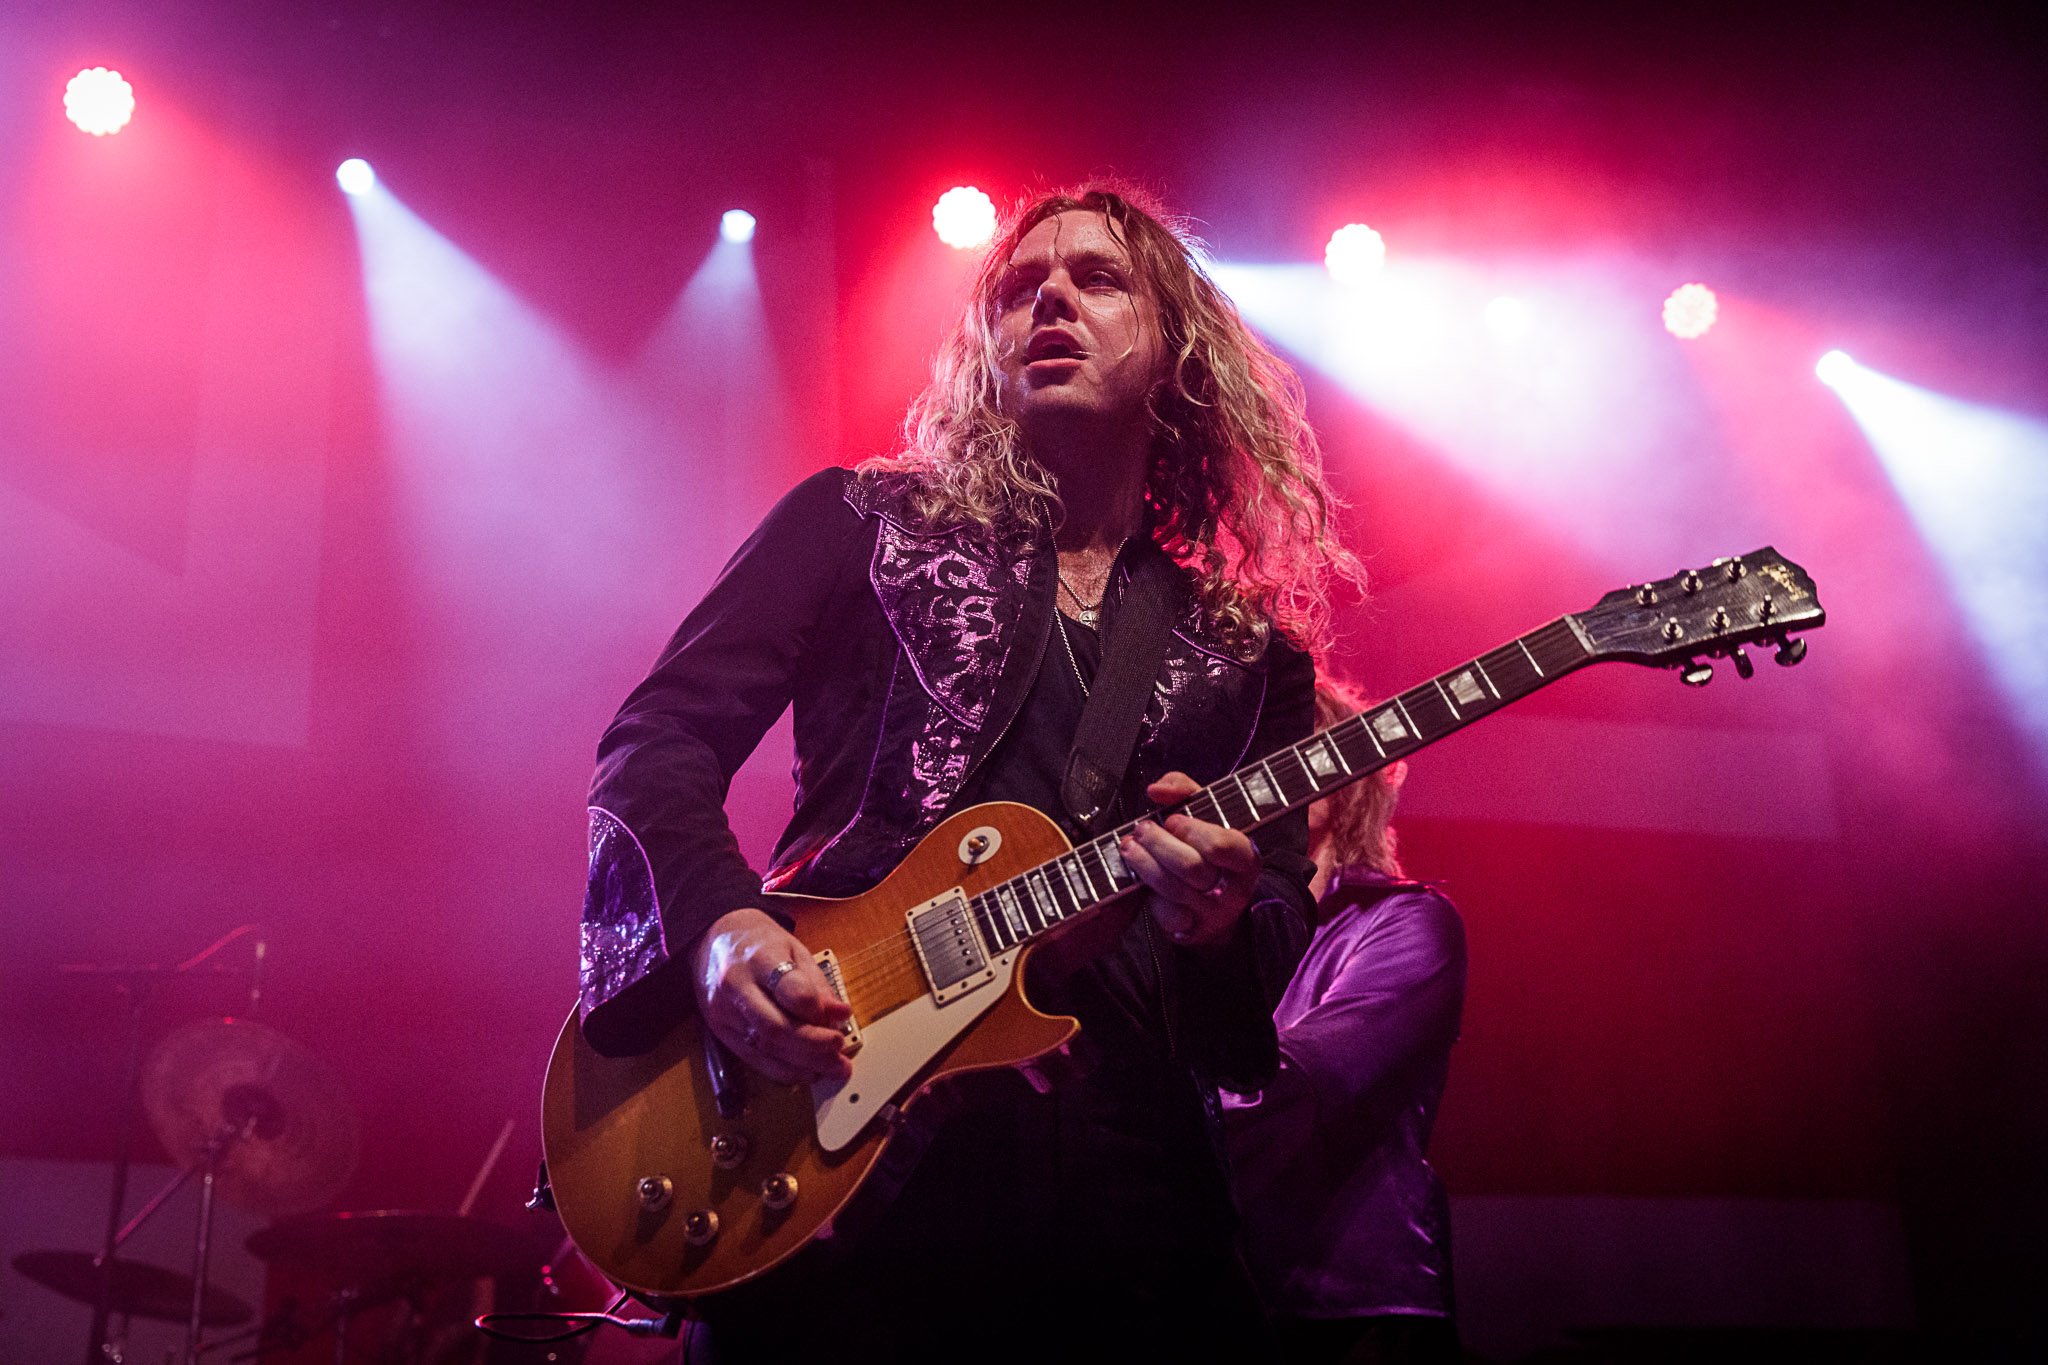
(674, 1199)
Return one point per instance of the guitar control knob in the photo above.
(1698, 673)
(655, 1191)
(1742, 663)
(1791, 652)
(700, 1226)
(1689, 580)
(778, 1191)
(728, 1151)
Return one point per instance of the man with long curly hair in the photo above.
(937, 619)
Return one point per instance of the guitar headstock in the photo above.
(1682, 621)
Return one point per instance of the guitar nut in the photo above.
(655, 1192)
(728, 1151)
(700, 1226)
(778, 1191)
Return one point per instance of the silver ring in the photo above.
(782, 969)
(1217, 887)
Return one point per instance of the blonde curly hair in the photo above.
(1355, 827)
(1235, 488)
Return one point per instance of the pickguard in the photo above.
(895, 1048)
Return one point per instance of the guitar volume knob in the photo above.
(655, 1192)
(778, 1191)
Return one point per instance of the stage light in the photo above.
(964, 218)
(99, 101)
(1975, 481)
(1690, 311)
(355, 176)
(1355, 254)
(736, 226)
(1510, 318)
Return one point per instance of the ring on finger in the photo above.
(782, 969)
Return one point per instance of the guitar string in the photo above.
(859, 965)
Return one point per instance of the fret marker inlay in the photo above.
(1387, 725)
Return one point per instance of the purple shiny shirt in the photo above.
(1344, 1217)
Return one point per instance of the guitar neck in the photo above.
(1094, 873)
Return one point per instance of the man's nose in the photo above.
(1055, 299)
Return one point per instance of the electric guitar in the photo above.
(680, 1174)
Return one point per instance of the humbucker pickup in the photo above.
(948, 945)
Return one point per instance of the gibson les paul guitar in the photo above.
(678, 1176)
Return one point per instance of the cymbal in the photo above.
(140, 1290)
(357, 1248)
(300, 1137)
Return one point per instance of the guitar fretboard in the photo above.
(1094, 872)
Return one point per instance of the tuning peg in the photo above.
(1742, 664)
(1698, 673)
(1791, 652)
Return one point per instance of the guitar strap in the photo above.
(1131, 655)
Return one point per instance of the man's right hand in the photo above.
(759, 991)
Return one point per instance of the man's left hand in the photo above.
(1202, 875)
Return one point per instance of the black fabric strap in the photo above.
(1131, 655)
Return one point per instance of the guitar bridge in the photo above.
(828, 963)
(949, 947)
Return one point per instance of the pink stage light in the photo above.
(99, 101)
(1690, 311)
(1355, 254)
(964, 218)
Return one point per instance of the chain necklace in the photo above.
(1072, 662)
(1090, 612)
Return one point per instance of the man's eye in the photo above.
(1104, 279)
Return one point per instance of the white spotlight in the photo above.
(1510, 318)
(1833, 368)
(736, 226)
(1355, 254)
(99, 101)
(964, 218)
(355, 176)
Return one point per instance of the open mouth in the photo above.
(1052, 346)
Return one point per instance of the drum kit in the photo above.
(260, 1122)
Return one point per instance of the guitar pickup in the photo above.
(828, 963)
(955, 962)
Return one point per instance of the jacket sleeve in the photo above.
(1227, 995)
(663, 860)
(1392, 1003)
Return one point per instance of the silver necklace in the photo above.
(1090, 612)
(1072, 662)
